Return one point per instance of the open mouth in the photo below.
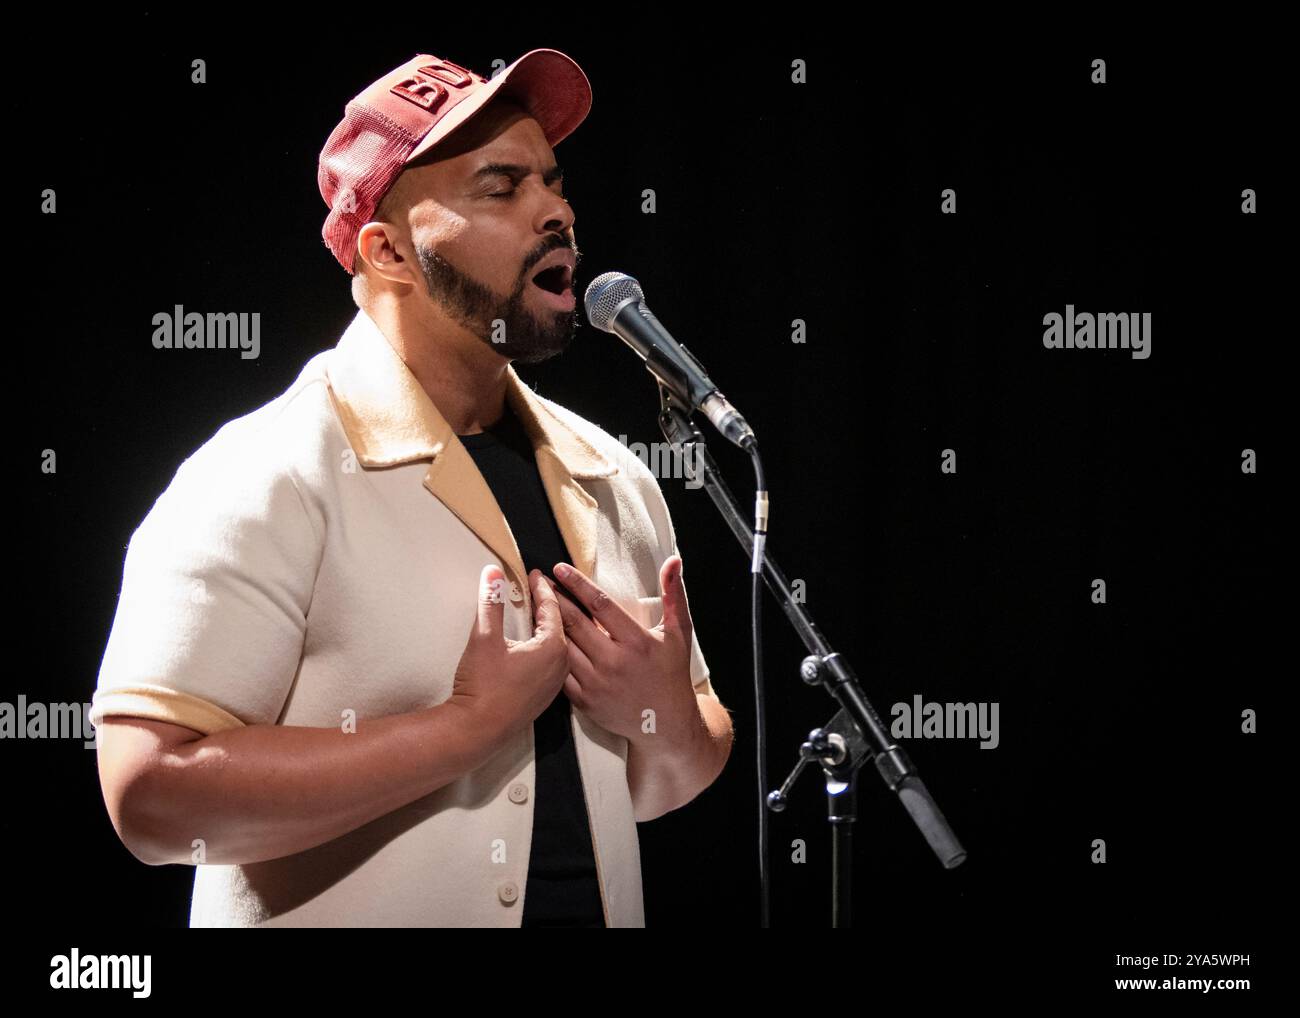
(553, 280)
(556, 286)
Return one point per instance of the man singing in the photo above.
(409, 645)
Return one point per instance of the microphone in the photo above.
(615, 303)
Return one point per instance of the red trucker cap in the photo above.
(410, 109)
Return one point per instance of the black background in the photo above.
(776, 202)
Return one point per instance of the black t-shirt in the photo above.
(562, 886)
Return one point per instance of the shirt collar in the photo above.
(390, 419)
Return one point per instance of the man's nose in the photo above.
(556, 215)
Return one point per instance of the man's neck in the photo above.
(463, 377)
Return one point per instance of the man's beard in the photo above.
(508, 326)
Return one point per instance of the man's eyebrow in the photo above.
(514, 170)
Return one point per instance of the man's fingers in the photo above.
(491, 602)
(577, 627)
(546, 609)
(677, 614)
(582, 637)
(604, 610)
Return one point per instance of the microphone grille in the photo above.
(604, 295)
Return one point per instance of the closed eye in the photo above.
(512, 193)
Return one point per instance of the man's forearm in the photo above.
(667, 770)
(267, 791)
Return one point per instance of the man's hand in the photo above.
(620, 669)
(506, 684)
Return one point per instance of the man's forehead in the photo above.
(514, 164)
(517, 148)
(522, 143)
(502, 124)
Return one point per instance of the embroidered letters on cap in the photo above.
(423, 88)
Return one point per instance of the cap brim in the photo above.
(550, 86)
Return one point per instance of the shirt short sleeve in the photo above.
(218, 578)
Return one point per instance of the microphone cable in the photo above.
(760, 708)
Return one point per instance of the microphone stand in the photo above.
(855, 734)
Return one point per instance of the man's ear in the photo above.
(378, 255)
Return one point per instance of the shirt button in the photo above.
(518, 792)
(508, 892)
(516, 594)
